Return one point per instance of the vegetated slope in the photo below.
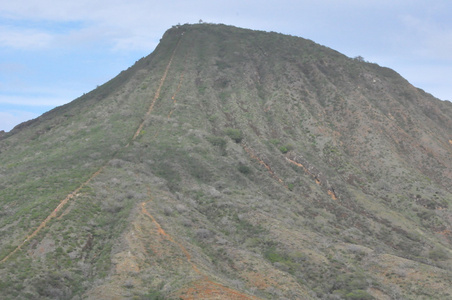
(232, 164)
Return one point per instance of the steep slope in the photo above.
(232, 164)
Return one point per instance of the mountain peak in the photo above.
(235, 164)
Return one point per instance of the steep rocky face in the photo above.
(232, 164)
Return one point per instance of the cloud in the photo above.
(24, 38)
(439, 45)
(49, 10)
(412, 31)
(137, 25)
(431, 38)
(125, 25)
(33, 100)
(41, 95)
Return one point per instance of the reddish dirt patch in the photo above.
(260, 281)
(206, 289)
(259, 160)
(330, 192)
(305, 169)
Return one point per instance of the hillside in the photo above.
(232, 164)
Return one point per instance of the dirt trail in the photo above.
(259, 160)
(169, 238)
(157, 93)
(54, 213)
(204, 287)
(305, 169)
(330, 192)
(179, 85)
(250, 152)
(175, 93)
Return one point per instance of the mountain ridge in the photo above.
(244, 137)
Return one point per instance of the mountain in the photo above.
(232, 164)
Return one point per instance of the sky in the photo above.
(51, 52)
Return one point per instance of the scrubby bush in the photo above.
(244, 169)
(217, 141)
(359, 295)
(168, 211)
(438, 254)
(235, 134)
(203, 233)
(351, 286)
(285, 148)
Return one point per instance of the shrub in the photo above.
(438, 254)
(154, 295)
(244, 169)
(168, 211)
(359, 295)
(217, 141)
(285, 148)
(350, 285)
(235, 134)
(273, 256)
(203, 233)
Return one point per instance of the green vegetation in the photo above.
(359, 295)
(244, 169)
(235, 134)
(339, 192)
(286, 148)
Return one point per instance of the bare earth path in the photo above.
(52, 215)
(60, 206)
(203, 288)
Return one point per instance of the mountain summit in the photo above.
(232, 164)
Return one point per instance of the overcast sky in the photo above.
(51, 52)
